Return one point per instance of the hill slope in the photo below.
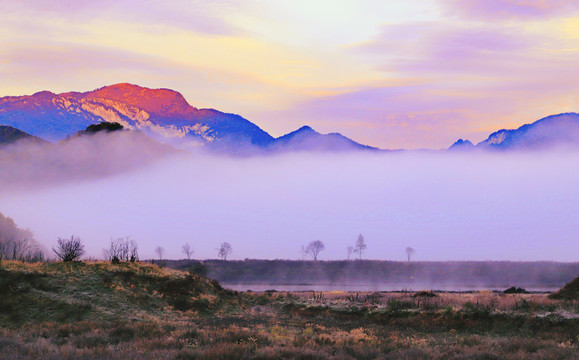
(568, 292)
(100, 291)
(10, 135)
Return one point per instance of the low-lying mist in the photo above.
(28, 164)
(475, 206)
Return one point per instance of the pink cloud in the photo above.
(441, 47)
(202, 17)
(510, 9)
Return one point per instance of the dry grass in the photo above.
(138, 311)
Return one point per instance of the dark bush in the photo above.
(397, 305)
(121, 334)
(103, 126)
(424, 293)
(198, 268)
(515, 290)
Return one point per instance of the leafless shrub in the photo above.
(69, 249)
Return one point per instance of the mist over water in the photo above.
(475, 206)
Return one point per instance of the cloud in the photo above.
(444, 49)
(510, 9)
(198, 16)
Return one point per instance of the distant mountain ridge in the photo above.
(307, 139)
(461, 145)
(561, 130)
(160, 113)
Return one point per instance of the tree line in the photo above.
(314, 248)
(19, 244)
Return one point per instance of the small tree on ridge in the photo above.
(314, 248)
(409, 252)
(360, 245)
(160, 251)
(187, 251)
(224, 250)
(349, 252)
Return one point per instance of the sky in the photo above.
(392, 74)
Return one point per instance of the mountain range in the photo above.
(165, 115)
(560, 130)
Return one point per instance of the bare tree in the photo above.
(314, 248)
(160, 251)
(224, 250)
(118, 250)
(360, 245)
(123, 249)
(69, 249)
(349, 252)
(34, 255)
(133, 251)
(187, 251)
(409, 252)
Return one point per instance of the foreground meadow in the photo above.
(135, 311)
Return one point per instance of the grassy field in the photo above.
(135, 311)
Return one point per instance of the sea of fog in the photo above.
(474, 206)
